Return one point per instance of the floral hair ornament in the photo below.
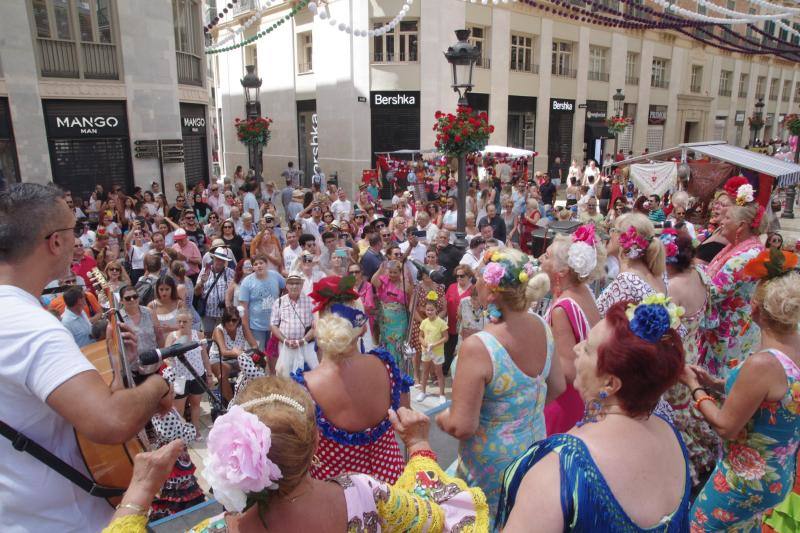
(633, 244)
(333, 289)
(432, 296)
(582, 255)
(744, 194)
(757, 219)
(770, 264)
(651, 318)
(503, 271)
(731, 186)
(237, 466)
(669, 238)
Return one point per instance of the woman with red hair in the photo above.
(593, 477)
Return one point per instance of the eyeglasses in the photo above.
(461, 275)
(354, 272)
(308, 260)
(114, 269)
(46, 237)
(131, 297)
(386, 234)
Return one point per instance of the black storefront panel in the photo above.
(478, 102)
(596, 130)
(195, 149)
(395, 123)
(89, 144)
(308, 149)
(559, 138)
(522, 122)
(9, 167)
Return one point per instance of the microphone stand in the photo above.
(215, 403)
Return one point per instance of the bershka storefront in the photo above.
(308, 148)
(559, 136)
(195, 147)
(395, 121)
(89, 144)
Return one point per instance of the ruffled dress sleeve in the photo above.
(132, 523)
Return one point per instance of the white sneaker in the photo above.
(440, 400)
(420, 397)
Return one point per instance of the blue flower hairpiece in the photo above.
(653, 317)
(356, 317)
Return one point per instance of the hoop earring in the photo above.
(315, 462)
(593, 410)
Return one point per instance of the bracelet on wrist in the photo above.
(137, 509)
(430, 454)
(701, 400)
(694, 391)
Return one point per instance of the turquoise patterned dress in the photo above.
(511, 418)
(587, 503)
(758, 468)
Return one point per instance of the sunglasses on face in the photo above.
(354, 272)
(114, 269)
(386, 234)
(308, 260)
(131, 297)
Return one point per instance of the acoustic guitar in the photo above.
(110, 465)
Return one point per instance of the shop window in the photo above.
(562, 59)
(659, 73)
(744, 81)
(400, 45)
(696, 82)
(305, 51)
(632, 69)
(251, 56)
(725, 82)
(522, 53)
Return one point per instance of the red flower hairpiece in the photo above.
(732, 185)
(333, 289)
(757, 219)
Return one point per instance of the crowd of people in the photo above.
(639, 334)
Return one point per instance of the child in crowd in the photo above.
(433, 336)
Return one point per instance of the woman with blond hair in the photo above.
(571, 263)
(352, 391)
(642, 263)
(503, 378)
(116, 276)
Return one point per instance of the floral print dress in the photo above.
(758, 467)
(511, 419)
(728, 333)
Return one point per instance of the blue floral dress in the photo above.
(758, 467)
(587, 503)
(511, 418)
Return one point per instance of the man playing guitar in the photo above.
(47, 386)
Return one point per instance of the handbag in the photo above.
(201, 303)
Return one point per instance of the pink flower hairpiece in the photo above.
(585, 234)
(669, 238)
(633, 244)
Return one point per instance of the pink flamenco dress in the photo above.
(564, 412)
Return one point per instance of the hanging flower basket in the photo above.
(465, 132)
(756, 122)
(253, 130)
(617, 125)
(792, 123)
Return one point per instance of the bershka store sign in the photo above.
(85, 119)
(657, 114)
(562, 106)
(314, 143)
(395, 99)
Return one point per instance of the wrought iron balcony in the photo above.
(189, 69)
(59, 58)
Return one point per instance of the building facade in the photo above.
(87, 85)
(547, 83)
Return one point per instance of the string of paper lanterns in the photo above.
(736, 14)
(775, 7)
(669, 7)
(245, 25)
(314, 8)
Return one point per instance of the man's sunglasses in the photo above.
(131, 297)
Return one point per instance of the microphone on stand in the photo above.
(150, 360)
(437, 274)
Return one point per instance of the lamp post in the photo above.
(462, 57)
(252, 87)
(619, 100)
(759, 110)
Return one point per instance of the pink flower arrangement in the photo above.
(585, 234)
(493, 273)
(237, 462)
(632, 243)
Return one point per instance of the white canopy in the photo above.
(513, 152)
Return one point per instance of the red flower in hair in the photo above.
(732, 185)
(333, 289)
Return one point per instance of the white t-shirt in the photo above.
(290, 256)
(37, 355)
(251, 204)
(341, 209)
(136, 255)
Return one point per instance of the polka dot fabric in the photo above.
(381, 459)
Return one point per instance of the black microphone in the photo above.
(157, 356)
(437, 274)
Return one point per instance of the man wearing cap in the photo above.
(342, 208)
(292, 323)
(189, 251)
(212, 284)
(473, 256)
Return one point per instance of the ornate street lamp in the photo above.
(462, 57)
(757, 121)
(252, 87)
(619, 101)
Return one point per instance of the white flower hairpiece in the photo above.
(744, 194)
(582, 258)
(272, 398)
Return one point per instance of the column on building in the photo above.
(545, 49)
(643, 98)
(24, 99)
(151, 83)
(734, 134)
(500, 35)
(717, 117)
(618, 59)
(581, 49)
(678, 66)
(770, 105)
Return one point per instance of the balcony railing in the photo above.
(659, 84)
(58, 59)
(519, 66)
(100, 61)
(725, 92)
(598, 76)
(695, 88)
(304, 68)
(759, 95)
(564, 72)
(484, 62)
(743, 93)
(773, 97)
(189, 69)
(631, 80)
(243, 6)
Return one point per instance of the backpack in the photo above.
(146, 288)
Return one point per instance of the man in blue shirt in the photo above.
(257, 293)
(75, 319)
